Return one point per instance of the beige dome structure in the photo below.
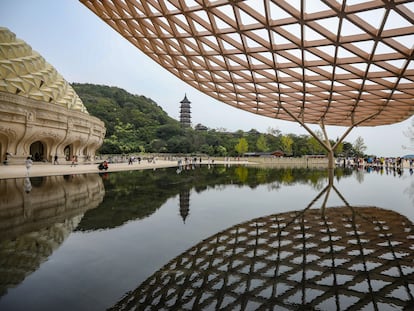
(345, 63)
(40, 113)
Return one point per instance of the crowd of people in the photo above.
(391, 162)
(393, 165)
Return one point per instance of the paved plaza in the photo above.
(45, 169)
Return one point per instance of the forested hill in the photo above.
(136, 123)
(110, 103)
(131, 120)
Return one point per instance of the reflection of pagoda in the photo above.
(185, 112)
(184, 204)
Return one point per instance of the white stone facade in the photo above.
(40, 113)
(28, 127)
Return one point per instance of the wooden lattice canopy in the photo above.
(335, 62)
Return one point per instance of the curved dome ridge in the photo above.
(25, 72)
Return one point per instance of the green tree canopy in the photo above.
(261, 143)
(242, 146)
(359, 146)
(287, 143)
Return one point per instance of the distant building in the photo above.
(276, 153)
(185, 112)
(200, 127)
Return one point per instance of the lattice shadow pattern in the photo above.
(343, 258)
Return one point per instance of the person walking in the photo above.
(74, 160)
(55, 160)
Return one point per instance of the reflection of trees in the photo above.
(359, 175)
(410, 191)
(137, 194)
(242, 173)
(274, 186)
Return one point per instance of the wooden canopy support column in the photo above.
(326, 144)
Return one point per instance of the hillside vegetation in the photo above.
(136, 123)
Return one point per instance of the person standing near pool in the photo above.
(28, 163)
(74, 161)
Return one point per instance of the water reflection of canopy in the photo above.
(317, 62)
(342, 258)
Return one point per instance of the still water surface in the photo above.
(184, 240)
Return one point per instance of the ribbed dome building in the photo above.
(40, 113)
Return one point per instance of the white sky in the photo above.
(84, 49)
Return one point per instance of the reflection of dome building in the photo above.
(22, 256)
(50, 200)
(341, 258)
(40, 113)
(35, 224)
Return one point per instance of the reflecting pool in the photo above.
(207, 238)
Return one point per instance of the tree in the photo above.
(410, 134)
(169, 130)
(300, 144)
(315, 146)
(287, 142)
(179, 144)
(273, 131)
(158, 145)
(242, 146)
(348, 150)
(221, 151)
(261, 143)
(359, 146)
(339, 149)
(207, 149)
(123, 140)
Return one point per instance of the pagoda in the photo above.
(185, 112)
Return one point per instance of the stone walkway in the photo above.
(41, 169)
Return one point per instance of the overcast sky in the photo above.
(84, 49)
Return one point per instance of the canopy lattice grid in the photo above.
(332, 62)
